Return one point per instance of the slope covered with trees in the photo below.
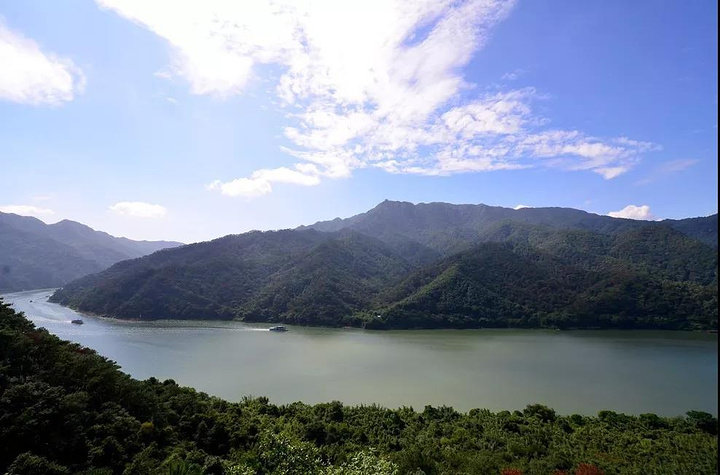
(302, 276)
(500, 285)
(64, 409)
(36, 255)
(448, 228)
(516, 274)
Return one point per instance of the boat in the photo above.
(77, 321)
(278, 328)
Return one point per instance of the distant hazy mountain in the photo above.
(38, 255)
(427, 266)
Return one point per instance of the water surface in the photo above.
(583, 372)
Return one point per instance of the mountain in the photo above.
(304, 277)
(566, 283)
(38, 255)
(408, 266)
(448, 228)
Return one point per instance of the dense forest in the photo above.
(64, 409)
(429, 266)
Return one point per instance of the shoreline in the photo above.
(380, 330)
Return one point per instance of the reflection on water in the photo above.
(664, 372)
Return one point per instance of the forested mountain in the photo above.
(621, 273)
(448, 228)
(37, 255)
(306, 277)
(500, 284)
(65, 409)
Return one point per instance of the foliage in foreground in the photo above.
(65, 409)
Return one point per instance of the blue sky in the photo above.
(192, 120)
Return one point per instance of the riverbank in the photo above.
(633, 371)
(106, 420)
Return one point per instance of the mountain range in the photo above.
(433, 265)
(37, 255)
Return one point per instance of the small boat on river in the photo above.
(77, 321)
(278, 328)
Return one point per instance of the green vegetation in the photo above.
(64, 409)
(448, 228)
(515, 275)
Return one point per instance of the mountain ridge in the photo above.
(34, 254)
(424, 267)
(403, 217)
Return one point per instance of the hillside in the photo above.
(506, 285)
(37, 255)
(302, 276)
(629, 275)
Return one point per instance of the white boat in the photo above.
(278, 328)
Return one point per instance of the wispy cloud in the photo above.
(30, 76)
(395, 99)
(138, 209)
(633, 212)
(44, 197)
(668, 168)
(513, 75)
(163, 75)
(27, 210)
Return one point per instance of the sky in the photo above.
(179, 120)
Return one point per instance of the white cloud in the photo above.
(633, 212)
(31, 76)
(260, 181)
(521, 207)
(138, 209)
(27, 210)
(394, 99)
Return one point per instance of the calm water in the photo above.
(667, 373)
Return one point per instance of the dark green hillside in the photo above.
(651, 277)
(648, 276)
(703, 229)
(64, 409)
(200, 281)
(667, 253)
(293, 276)
(655, 249)
(334, 280)
(490, 285)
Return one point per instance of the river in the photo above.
(663, 372)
